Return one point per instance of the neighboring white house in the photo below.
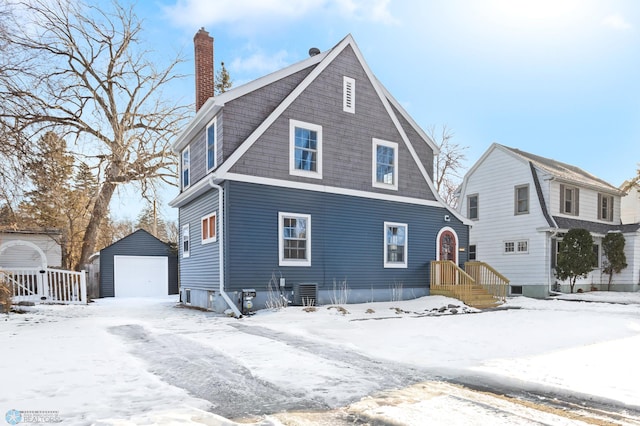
(30, 249)
(522, 204)
(630, 203)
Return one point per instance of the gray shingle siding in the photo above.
(139, 243)
(347, 237)
(347, 138)
(200, 269)
(244, 114)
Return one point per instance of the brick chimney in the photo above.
(203, 44)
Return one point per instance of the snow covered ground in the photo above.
(149, 361)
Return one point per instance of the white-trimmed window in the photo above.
(517, 246)
(209, 228)
(294, 239)
(349, 95)
(211, 145)
(395, 245)
(472, 206)
(185, 241)
(305, 149)
(385, 164)
(185, 168)
(521, 198)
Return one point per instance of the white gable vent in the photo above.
(349, 95)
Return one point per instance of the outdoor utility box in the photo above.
(248, 295)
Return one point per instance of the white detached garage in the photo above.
(139, 265)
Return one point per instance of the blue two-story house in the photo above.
(307, 177)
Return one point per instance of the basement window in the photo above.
(516, 290)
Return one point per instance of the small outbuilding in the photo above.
(138, 265)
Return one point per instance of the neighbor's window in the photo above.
(522, 199)
(211, 145)
(295, 239)
(305, 146)
(186, 175)
(385, 164)
(596, 256)
(605, 207)
(185, 240)
(569, 200)
(509, 247)
(520, 246)
(472, 207)
(473, 252)
(209, 229)
(395, 245)
(349, 95)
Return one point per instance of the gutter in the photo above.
(224, 295)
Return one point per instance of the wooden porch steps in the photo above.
(478, 285)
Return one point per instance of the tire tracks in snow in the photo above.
(207, 373)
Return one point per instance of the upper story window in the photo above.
(305, 149)
(294, 240)
(569, 200)
(522, 199)
(472, 206)
(209, 229)
(211, 146)
(185, 166)
(605, 207)
(395, 245)
(385, 164)
(185, 241)
(349, 95)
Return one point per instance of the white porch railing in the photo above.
(46, 285)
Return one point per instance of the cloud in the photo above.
(259, 63)
(195, 13)
(616, 22)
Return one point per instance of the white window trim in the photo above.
(187, 150)
(185, 230)
(292, 149)
(213, 122)
(293, 262)
(213, 216)
(374, 164)
(346, 106)
(405, 263)
(515, 197)
(477, 197)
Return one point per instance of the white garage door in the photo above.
(140, 276)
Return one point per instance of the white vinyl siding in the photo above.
(493, 180)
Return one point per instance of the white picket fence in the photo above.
(46, 285)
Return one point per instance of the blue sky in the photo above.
(558, 78)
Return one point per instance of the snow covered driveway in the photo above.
(140, 361)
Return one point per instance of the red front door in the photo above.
(448, 247)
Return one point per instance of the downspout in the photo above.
(226, 298)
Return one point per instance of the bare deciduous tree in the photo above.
(448, 164)
(82, 71)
